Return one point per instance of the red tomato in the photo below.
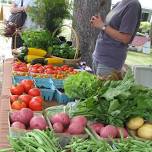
(34, 70)
(34, 92)
(18, 105)
(25, 98)
(49, 71)
(65, 66)
(13, 98)
(70, 69)
(59, 68)
(50, 66)
(27, 84)
(37, 99)
(30, 82)
(23, 69)
(17, 90)
(40, 69)
(35, 106)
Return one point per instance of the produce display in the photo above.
(113, 102)
(105, 115)
(25, 94)
(35, 141)
(108, 131)
(25, 119)
(140, 128)
(38, 70)
(52, 71)
(39, 41)
(62, 123)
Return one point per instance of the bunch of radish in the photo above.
(62, 123)
(25, 119)
(109, 131)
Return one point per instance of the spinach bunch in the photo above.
(63, 51)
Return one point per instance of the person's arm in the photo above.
(128, 26)
(97, 22)
(15, 9)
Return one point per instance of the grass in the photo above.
(138, 58)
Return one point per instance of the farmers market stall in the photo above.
(48, 105)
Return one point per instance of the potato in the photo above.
(145, 131)
(135, 123)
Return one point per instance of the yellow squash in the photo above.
(37, 52)
(54, 60)
(29, 58)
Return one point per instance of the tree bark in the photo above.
(83, 10)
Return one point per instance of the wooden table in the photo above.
(4, 103)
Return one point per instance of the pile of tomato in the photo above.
(26, 95)
(52, 71)
(37, 70)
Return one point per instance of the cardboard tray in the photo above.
(56, 109)
(16, 132)
(110, 140)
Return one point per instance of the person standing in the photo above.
(117, 31)
(21, 6)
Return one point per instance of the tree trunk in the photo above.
(83, 10)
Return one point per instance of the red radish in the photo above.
(80, 120)
(18, 124)
(58, 127)
(15, 116)
(97, 127)
(122, 132)
(38, 122)
(60, 117)
(76, 129)
(108, 132)
(26, 115)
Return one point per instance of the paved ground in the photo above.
(5, 51)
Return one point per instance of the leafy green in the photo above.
(63, 51)
(114, 102)
(82, 85)
(37, 38)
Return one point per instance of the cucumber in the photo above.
(41, 61)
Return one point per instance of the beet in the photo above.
(60, 117)
(58, 127)
(97, 127)
(80, 120)
(18, 124)
(108, 132)
(25, 115)
(76, 129)
(122, 132)
(38, 122)
(15, 116)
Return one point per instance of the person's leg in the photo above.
(94, 67)
(18, 43)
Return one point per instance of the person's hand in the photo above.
(97, 22)
(21, 9)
